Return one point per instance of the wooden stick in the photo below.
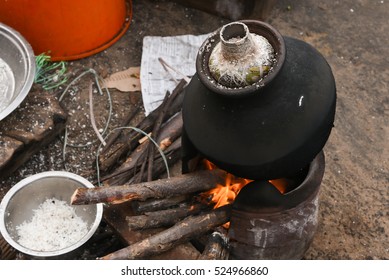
(155, 133)
(170, 131)
(129, 140)
(168, 135)
(163, 218)
(128, 169)
(112, 137)
(172, 154)
(187, 183)
(138, 179)
(179, 233)
(151, 205)
(217, 247)
(157, 127)
(129, 173)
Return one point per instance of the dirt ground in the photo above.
(352, 35)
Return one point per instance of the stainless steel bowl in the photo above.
(17, 69)
(18, 204)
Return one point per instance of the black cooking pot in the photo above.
(271, 129)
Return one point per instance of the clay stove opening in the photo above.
(227, 192)
(270, 219)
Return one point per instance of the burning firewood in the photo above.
(216, 247)
(181, 232)
(186, 183)
(167, 217)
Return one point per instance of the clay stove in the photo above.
(266, 224)
(273, 123)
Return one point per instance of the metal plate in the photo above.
(17, 69)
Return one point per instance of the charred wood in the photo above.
(181, 232)
(163, 218)
(151, 205)
(217, 247)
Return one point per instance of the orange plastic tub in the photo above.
(68, 29)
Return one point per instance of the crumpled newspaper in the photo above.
(179, 52)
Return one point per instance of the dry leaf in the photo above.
(127, 80)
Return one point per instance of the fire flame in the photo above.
(226, 194)
(281, 184)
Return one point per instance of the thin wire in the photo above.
(97, 79)
(92, 115)
(64, 148)
(65, 138)
(139, 131)
(75, 80)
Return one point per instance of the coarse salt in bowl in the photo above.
(36, 217)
